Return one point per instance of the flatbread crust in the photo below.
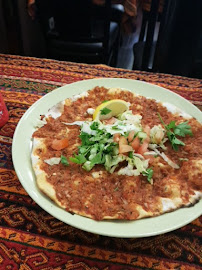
(81, 192)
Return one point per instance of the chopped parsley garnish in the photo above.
(126, 134)
(64, 160)
(173, 130)
(98, 147)
(94, 125)
(79, 159)
(105, 111)
(115, 128)
(104, 101)
(148, 173)
(183, 129)
(95, 148)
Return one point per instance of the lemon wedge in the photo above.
(110, 108)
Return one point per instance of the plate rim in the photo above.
(93, 225)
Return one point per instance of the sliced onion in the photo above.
(169, 161)
(150, 153)
(138, 155)
(52, 161)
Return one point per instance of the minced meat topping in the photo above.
(101, 194)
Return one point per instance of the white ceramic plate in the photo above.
(21, 158)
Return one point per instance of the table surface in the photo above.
(30, 238)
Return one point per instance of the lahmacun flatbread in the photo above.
(144, 162)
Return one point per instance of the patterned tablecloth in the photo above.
(30, 238)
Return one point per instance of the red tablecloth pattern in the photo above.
(30, 238)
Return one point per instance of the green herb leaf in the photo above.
(79, 159)
(64, 160)
(126, 134)
(183, 129)
(115, 128)
(170, 125)
(85, 138)
(105, 101)
(177, 141)
(105, 111)
(148, 173)
(111, 162)
(84, 149)
(95, 148)
(160, 118)
(87, 166)
(173, 130)
(97, 159)
(94, 126)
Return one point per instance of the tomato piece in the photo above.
(143, 148)
(59, 144)
(131, 135)
(110, 121)
(125, 148)
(135, 144)
(123, 145)
(123, 140)
(147, 131)
(116, 137)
